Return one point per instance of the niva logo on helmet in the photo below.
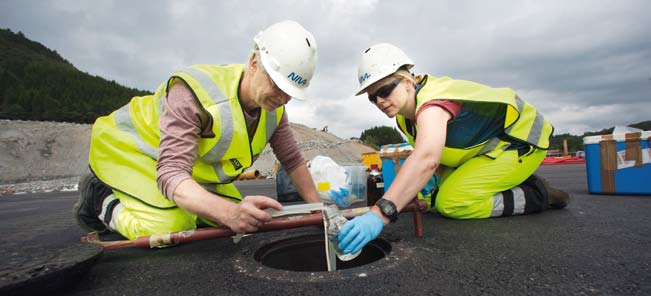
(297, 78)
(364, 77)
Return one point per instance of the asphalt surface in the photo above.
(598, 245)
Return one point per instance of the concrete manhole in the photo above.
(298, 256)
(307, 253)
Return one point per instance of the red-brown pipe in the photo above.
(418, 224)
(289, 222)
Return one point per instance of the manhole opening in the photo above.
(307, 253)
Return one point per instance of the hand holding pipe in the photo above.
(159, 240)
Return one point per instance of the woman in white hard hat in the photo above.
(485, 142)
(165, 162)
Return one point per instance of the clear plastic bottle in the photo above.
(335, 222)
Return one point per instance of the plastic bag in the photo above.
(341, 185)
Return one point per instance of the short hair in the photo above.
(256, 51)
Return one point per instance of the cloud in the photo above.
(579, 62)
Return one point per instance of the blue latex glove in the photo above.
(341, 196)
(431, 185)
(358, 232)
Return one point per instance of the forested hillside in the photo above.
(381, 135)
(36, 83)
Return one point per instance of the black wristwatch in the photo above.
(388, 209)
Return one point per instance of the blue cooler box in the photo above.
(618, 163)
(393, 157)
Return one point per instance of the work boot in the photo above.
(556, 198)
(89, 206)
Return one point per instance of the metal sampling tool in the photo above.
(331, 259)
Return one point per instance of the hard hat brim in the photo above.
(283, 83)
(380, 76)
(370, 82)
(364, 87)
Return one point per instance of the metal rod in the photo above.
(289, 222)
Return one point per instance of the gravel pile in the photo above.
(36, 151)
(66, 184)
(50, 156)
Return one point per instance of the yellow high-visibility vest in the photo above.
(522, 121)
(124, 144)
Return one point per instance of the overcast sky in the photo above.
(585, 64)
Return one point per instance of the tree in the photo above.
(36, 83)
(644, 125)
(381, 135)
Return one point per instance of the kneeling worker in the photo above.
(487, 142)
(165, 162)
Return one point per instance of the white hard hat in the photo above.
(288, 54)
(379, 61)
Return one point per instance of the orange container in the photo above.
(370, 158)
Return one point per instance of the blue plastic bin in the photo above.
(393, 157)
(618, 163)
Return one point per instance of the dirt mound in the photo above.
(33, 150)
(42, 150)
(313, 142)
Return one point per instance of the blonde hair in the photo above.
(404, 73)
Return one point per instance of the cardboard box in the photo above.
(619, 163)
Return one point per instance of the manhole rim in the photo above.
(380, 245)
(244, 262)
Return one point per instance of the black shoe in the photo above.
(556, 198)
(89, 206)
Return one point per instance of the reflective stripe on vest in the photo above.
(531, 131)
(123, 123)
(218, 150)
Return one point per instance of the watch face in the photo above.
(387, 208)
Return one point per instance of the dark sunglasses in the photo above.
(384, 91)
